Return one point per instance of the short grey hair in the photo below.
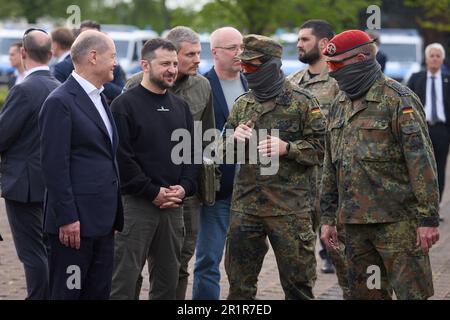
(182, 34)
(434, 45)
(87, 42)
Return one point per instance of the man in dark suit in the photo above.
(82, 205)
(21, 180)
(63, 69)
(227, 83)
(15, 58)
(433, 88)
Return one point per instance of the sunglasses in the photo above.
(30, 30)
(337, 64)
(250, 67)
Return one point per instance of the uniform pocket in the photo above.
(376, 141)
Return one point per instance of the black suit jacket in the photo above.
(418, 84)
(63, 70)
(79, 164)
(221, 114)
(20, 169)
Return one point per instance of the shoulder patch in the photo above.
(397, 87)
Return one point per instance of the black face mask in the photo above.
(267, 82)
(356, 79)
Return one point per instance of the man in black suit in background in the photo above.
(83, 207)
(433, 88)
(64, 68)
(21, 180)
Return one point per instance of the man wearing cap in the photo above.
(379, 176)
(313, 37)
(277, 205)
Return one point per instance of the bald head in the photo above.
(222, 36)
(88, 41)
(38, 46)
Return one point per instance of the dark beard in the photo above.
(311, 57)
(160, 83)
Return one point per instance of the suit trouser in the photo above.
(26, 220)
(83, 274)
(440, 139)
(150, 234)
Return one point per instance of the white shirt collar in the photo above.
(28, 72)
(63, 56)
(87, 86)
(437, 75)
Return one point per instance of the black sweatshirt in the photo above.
(145, 122)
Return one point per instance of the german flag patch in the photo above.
(407, 110)
(315, 110)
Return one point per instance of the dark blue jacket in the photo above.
(63, 70)
(79, 164)
(221, 114)
(20, 167)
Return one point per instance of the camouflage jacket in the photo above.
(379, 164)
(322, 86)
(196, 90)
(296, 114)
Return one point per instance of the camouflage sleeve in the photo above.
(226, 141)
(133, 81)
(411, 130)
(208, 119)
(309, 150)
(328, 188)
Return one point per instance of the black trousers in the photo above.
(83, 274)
(440, 138)
(25, 220)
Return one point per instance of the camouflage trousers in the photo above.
(293, 242)
(337, 256)
(339, 260)
(386, 253)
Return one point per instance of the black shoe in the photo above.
(327, 266)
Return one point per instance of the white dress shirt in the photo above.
(94, 95)
(19, 77)
(42, 68)
(439, 96)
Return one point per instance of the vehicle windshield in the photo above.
(5, 43)
(400, 52)
(121, 48)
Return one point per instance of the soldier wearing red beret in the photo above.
(379, 177)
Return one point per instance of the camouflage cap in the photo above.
(256, 46)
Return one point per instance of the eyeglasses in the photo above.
(337, 64)
(30, 30)
(232, 48)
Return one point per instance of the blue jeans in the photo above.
(213, 226)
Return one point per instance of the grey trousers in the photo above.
(26, 221)
(153, 235)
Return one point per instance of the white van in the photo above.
(404, 51)
(7, 38)
(129, 46)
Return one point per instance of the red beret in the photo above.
(346, 41)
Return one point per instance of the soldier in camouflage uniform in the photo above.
(313, 37)
(275, 206)
(196, 91)
(379, 176)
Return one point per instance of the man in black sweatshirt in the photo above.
(153, 185)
